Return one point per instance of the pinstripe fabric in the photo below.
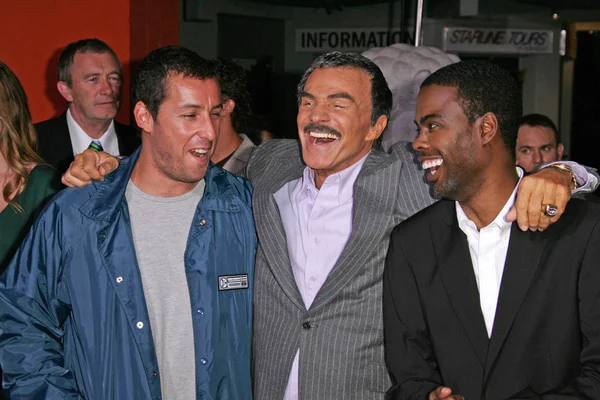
(341, 354)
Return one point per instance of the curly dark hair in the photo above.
(381, 96)
(150, 81)
(233, 81)
(484, 87)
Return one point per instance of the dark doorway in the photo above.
(257, 44)
(508, 62)
(585, 120)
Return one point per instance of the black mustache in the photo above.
(320, 129)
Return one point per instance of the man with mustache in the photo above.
(324, 208)
(90, 80)
(140, 287)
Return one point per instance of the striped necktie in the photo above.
(96, 145)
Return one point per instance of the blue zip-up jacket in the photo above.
(73, 318)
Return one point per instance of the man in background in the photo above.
(234, 146)
(89, 79)
(538, 142)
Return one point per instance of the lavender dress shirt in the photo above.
(317, 225)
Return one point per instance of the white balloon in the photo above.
(405, 67)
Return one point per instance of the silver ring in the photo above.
(550, 210)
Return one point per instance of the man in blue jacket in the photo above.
(139, 287)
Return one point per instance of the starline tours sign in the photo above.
(505, 41)
(349, 39)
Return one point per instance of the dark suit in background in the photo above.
(545, 342)
(55, 147)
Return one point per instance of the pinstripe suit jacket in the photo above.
(341, 336)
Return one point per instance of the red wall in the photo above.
(34, 32)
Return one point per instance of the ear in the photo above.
(228, 106)
(560, 150)
(143, 118)
(64, 90)
(488, 128)
(376, 130)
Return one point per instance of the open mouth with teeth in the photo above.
(199, 153)
(322, 137)
(432, 165)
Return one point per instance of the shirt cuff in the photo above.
(586, 181)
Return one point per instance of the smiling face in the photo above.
(95, 90)
(537, 145)
(183, 136)
(334, 120)
(446, 144)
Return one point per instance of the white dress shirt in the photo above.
(80, 140)
(488, 248)
(317, 225)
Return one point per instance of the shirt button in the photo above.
(203, 361)
(119, 279)
(139, 325)
(313, 279)
(200, 311)
(316, 241)
(154, 374)
(306, 325)
(202, 222)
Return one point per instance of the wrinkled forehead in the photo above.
(83, 60)
(192, 90)
(345, 77)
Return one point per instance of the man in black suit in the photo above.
(89, 79)
(475, 308)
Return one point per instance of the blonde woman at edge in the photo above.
(27, 183)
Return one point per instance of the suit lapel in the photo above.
(454, 259)
(522, 260)
(127, 138)
(374, 199)
(269, 225)
(61, 141)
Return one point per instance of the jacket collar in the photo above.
(106, 200)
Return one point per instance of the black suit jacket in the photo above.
(55, 147)
(545, 343)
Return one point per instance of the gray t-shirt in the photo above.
(160, 227)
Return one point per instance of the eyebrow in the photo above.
(306, 94)
(426, 117)
(90, 75)
(528, 146)
(340, 95)
(200, 107)
(98, 74)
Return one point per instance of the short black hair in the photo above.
(233, 81)
(540, 120)
(381, 95)
(65, 61)
(484, 87)
(150, 80)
